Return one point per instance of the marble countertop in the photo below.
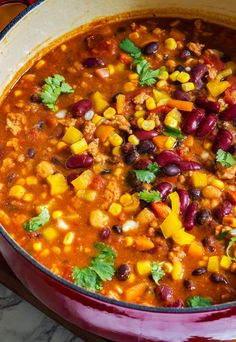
(21, 322)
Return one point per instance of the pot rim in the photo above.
(69, 284)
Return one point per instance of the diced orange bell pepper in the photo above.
(143, 243)
(187, 106)
(196, 249)
(136, 291)
(125, 58)
(231, 196)
(103, 132)
(160, 141)
(160, 209)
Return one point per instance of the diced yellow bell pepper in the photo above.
(213, 264)
(216, 87)
(58, 183)
(72, 135)
(178, 271)
(199, 179)
(160, 97)
(175, 202)
(143, 267)
(132, 207)
(145, 216)
(83, 181)
(182, 237)
(100, 104)
(225, 262)
(87, 195)
(98, 218)
(79, 147)
(170, 225)
(196, 249)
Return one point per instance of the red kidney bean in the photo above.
(105, 233)
(206, 125)
(181, 95)
(165, 292)
(145, 135)
(222, 141)
(142, 164)
(198, 72)
(185, 54)
(71, 177)
(188, 165)
(165, 189)
(229, 113)
(176, 304)
(167, 157)
(189, 285)
(184, 199)
(209, 106)
(222, 210)
(93, 62)
(150, 48)
(81, 107)
(190, 215)
(171, 170)
(193, 120)
(79, 161)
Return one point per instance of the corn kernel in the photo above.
(120, 67)
(45, 253)
(143, 267)
(171, 122)
(129, 241)
(133, 76)
(139, 122)
(50, 234)
(163, 74)
(207, 145)
(170, 44)
(37, 246)
(178, 271)
(199, 179)
(167, 267)
(183, 77)
(229, 221)
(88, 195)
(173, 118)
(72, 135)
(83, 181)
(61, 145)
(20, 181)
(150, 103)
(40, 64)
(57, 214)
(218, 183)
(120, 103)
(115, 139)
(17, 191)
(129, 86)
(31, 180)
(133, 139)
(67, 249)
(116, 151)
(68, 239)
(161, 84)
(118, 171)
(109, 113)
(18, 93)
(224, 73)
(148, 125)
(97, 119)
(28, 197)
(79, 146)
(56, 250)
(126, 199)
(189, 86)
(131, 278)
(115, 209)
(225, 262)
(111, 69)
(234, 209)
(139, 114)
(174, 75)
(98, 218)
(170, 142)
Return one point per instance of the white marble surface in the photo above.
(21, 322)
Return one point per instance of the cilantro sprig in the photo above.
(38, 221)
(173, 132)
(149, 174)
(196, 301)
(157, 272)
(150, 196)
(101, 269)
(230, 244)
(53, 87)
(225, 158)
(147, 76)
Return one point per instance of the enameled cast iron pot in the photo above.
(38, 26)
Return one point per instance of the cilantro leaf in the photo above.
(153, 167)
(101, 268)
(196, 301)
(129, 47)
(231, 242)
(38, 221)
(157, 272)
(146, 75)
(86, 278)
(173, 132)
(225, 158)
(145, 176)
(150, 196)
(222, 235)
(53, 87)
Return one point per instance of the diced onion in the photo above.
(61, 114)
(89, 115)
(61, 224)
(129, 225)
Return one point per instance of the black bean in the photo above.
(218, 278)
(128, 148)
(117, 229)
(225, 58)
(150, 48)
(189, 285)
(232, 149)
(35, 98)
(207, 241)
(195, 194)
(132, 180)
(146, 146)
(131, 158)
(203, 216)
(123, 272)
(93, 62)
(105, 233)
(106, 172)
(185, 54)
(211, 249)
(165, 57)
(171, 170)
(180, 67)
(114, 97)
(31, 152)
(199, 271)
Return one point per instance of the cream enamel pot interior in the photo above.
(37, 27)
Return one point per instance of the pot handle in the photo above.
(24, 2)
